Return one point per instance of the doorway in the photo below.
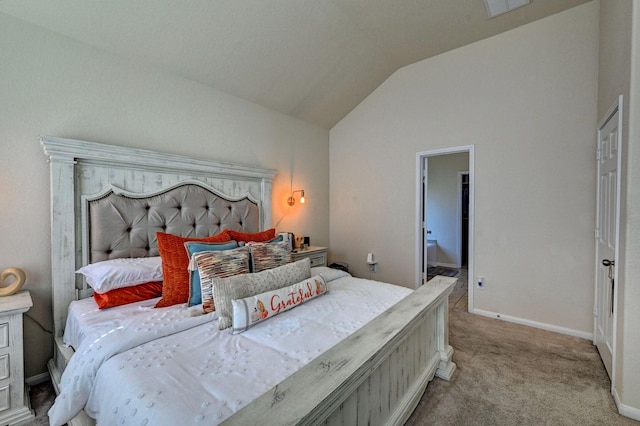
(463, 218)
(454, 245)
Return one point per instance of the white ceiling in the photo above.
(312, 59)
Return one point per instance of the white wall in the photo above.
(527, 100)
(443, 203)
(630, 343)
(54, 86)
(619, 74)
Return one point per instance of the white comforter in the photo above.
(177, 369)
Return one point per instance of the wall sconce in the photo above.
(291, 201)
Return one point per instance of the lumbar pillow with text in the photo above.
(251, 310)
(225, 290)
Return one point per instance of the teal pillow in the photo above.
(195, 292)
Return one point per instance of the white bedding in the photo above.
(201, 375)
(85, 317)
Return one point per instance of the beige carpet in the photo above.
(510, 374)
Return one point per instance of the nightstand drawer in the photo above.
(318, 259)
(4, 335)
(317, 255)
(5, 398)
(5, 367)
(14, 399)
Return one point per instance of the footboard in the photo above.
(375, 376)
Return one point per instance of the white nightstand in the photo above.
(14, 398)
(317, 255)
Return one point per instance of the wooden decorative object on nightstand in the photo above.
(14, 398)
(317, 255)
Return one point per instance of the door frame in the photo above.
(616, 107)
(421, 206)
(459, 219)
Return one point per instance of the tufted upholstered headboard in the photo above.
(123, 224)
(109, 201)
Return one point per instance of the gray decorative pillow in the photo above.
(240, 286)
(269, 255)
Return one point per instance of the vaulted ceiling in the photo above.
(312, 59)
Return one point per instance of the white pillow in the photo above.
(329, 274)
(249, 311)
(119, 273)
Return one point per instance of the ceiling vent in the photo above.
(498, 7)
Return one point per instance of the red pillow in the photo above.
(175, 264)
(126, 295)
(258, 237)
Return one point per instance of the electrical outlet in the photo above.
(481, 283)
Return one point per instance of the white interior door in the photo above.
(607, 217)
(425, 229)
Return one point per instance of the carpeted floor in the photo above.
(41, 396)
(507, 374)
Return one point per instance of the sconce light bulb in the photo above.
(291, 200)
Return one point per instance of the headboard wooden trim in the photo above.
(80, 168)
(129, 157)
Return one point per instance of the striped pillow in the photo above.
(195, 295)
(269, 255)
(219, 264)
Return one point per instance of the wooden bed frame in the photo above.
(375, 376)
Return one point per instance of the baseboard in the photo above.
(37, 379)
(625, 410)
(535, 324)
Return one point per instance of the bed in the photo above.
(371, 368)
